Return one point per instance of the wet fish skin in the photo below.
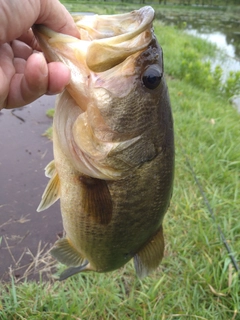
(113, 151)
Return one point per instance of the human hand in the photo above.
(24, 74)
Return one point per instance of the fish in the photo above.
(113, 144)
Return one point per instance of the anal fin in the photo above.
(150, 256)
(65, 253)
(74, 270)
(51, 193)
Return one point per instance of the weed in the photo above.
(50, 112)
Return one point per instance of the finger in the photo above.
(17, 18)
(38, 78)
(51, 13)
(29, 38)
(20, 65)
(3, 89)
(7, 71)
(55, 16)
(58, 77)
(24, 88)
(21, 49)
(6, 60)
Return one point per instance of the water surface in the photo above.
(23, 157)
(217, 27)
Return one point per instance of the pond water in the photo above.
(25, 235)
(216, 27)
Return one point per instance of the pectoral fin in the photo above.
(65, 253)
(97, 200)
(150, 256)
(51, 193)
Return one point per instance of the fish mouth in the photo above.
(105, 41)
(114, 38)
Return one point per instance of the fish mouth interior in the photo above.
(115, 37)
(105, 41)
(93, 27)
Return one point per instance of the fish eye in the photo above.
(151, 77)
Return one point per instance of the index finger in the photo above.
(55, 16)
(30, 39)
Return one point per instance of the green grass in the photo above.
(49, 132)
(196, 279)
(212, 10)
(50, 112)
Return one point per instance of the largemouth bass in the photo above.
(113, 144)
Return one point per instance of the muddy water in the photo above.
(24, 153)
